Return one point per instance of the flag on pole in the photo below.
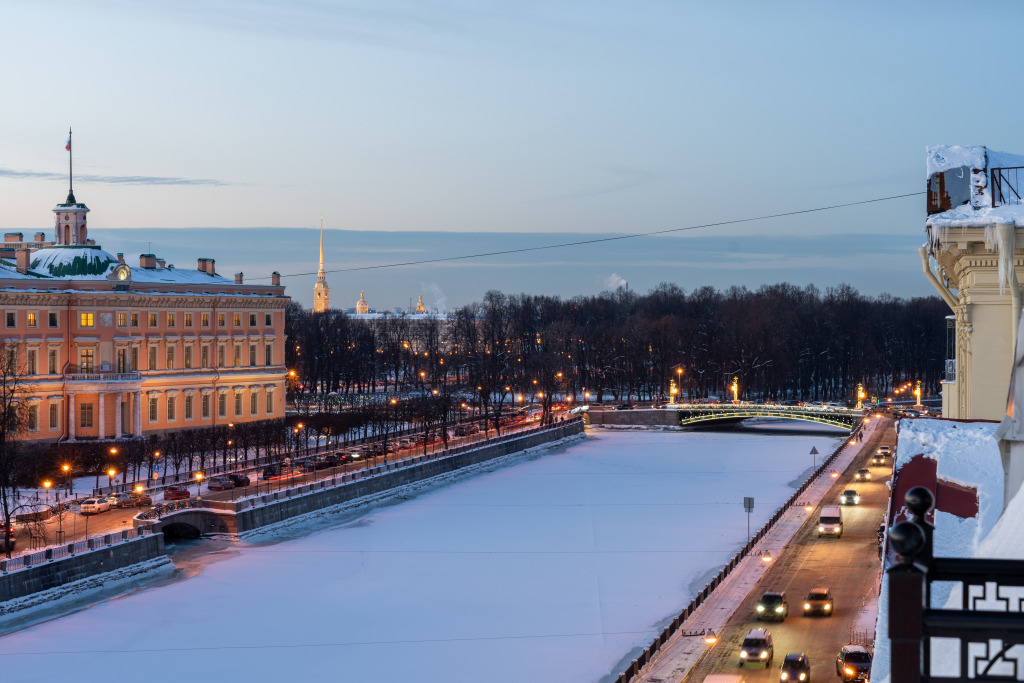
(68, 146)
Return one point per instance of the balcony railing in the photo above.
(981, 639)
(1005, 185)
(103, 377)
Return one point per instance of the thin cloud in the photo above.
(113, 179)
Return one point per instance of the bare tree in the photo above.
(14, 416)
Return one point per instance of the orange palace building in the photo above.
(110, 350)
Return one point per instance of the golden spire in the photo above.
(321, 243)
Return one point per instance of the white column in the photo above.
(103, 425)
(117, 416)
(137, 417)
(71, 417)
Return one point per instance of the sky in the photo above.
(529, 118)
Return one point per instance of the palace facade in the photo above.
(105, 349)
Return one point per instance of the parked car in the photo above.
(219, 484)
(238, 479)
(141, 500)
(795, 667)
(120, 500)
(773, 605)
(3, 538)
(853, 663)
(274, 471)
(819, 601)
(326, 461)
(94, 506)
(176, 493)
(863, 474)
(757, 646)
(356, 455)
(849, 497)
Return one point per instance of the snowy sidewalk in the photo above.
(682, 651)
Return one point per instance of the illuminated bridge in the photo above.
(693, 414)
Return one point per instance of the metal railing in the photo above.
(950, 370)
(988, 626)
(26, 559)
(1004, 185)
(103, 377)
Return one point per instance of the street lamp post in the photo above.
(110, 478)
(67, 477)
(46, 485)
(199, 484)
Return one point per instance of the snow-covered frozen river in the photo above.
(552, 569)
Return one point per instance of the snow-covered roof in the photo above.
(970, 165)
(73, 262)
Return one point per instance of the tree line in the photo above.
(780, 342)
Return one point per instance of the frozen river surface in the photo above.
(551, 569)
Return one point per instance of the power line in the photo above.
(613, 238)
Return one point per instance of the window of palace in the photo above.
(85, 414)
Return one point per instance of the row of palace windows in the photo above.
(86, 411)
(128, 359)
(188, 405)
(125, 319)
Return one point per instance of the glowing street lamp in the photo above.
(67, 477)
(860, 395)
(735, 389)
(199, 483)
(46, 485)
(710, 638)
(110, 476)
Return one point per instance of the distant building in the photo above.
(321, 292)
(109, 350)
(420, 308)
(975, 213)
(362, 306)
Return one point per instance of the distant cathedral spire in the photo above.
(321, 292)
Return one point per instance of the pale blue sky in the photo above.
(490, 117)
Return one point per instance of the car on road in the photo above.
(877, 459)
(819, 601)
(849, 497)
(795, 667)
(94, 506)
(275, 471)
(853, 663)
(830, 521)
(141, 500)
(176, 493)
(120, 500)
(757, 647)
(884, 451)
(238, 479)
(219, 484)
(863, 474)
(324, 462)
(773, 605)
(4, 528)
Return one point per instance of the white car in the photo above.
(94, 506)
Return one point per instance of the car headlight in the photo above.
(856, 499)
(828, 607)
(779, 609)
(848, 671)
(764, 654)
(807, 605)
(821, 529)
(760, 608)
(743, 654)
(785, 676)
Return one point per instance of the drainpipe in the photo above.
(943, 291)
(1006, 238)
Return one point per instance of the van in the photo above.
(830, 522)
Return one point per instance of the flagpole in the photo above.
(71, 184)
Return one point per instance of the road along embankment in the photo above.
(237, 518)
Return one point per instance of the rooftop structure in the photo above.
(321, 292)
(975, 210)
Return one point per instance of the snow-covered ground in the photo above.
(549, 570)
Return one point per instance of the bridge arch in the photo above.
(843, 418)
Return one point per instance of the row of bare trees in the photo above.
(780, 341)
